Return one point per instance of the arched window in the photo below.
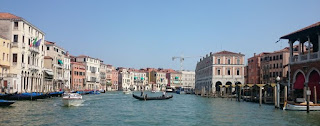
(229, 61)
(238, 72)
(218, 61)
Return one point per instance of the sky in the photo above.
(148, 33)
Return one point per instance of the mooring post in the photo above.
(260, 96)
(275, 96)
(308, 99)
(315, 94)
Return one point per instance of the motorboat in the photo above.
(72, 99)
(127, 92)
(6, 103)
(145, 97)
(301, 106)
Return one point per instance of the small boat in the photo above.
(152, 98)
(94, 92)
(301, 106)
(72, 99)
(127, 92)
(169, 89)
(6, 103)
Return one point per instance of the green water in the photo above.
(116, 108)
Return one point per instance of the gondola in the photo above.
(6, 103)
(24, 96)
(152, 98)
(56, 94)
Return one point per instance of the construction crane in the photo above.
(182, 59)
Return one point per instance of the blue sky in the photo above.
(147, 33)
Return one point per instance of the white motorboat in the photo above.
(127, 92)
(72, 99)
(301, 107)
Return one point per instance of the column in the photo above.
(299, 50)
(309, 46)
(291, 50)
(318, 45)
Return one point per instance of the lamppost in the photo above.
(278, 92)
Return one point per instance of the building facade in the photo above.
(140, 80)
(92, 71)
(78, 76)
(188, 79)
(114, 80)
(221, 68)
(125, 79)
(67, 70)
(253, 73)
(27, 53)
(58, 55)
(304, 66)
(4, 63)
(158, 79)
(103, 76)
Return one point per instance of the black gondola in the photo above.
(152, 98)
(6, 103)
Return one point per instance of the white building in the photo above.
(26, 60)
(140, 80)
(92, 71)
(125, 79)
(67, 70)
(188, 79)
(221, 68)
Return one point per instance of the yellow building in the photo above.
(4, 62)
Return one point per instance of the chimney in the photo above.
(254, 54)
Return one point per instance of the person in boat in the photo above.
(163, 93)
(141, 93)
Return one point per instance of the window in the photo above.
(229, 61)
(14, 58)
(28, 59)
(280, 74)
(218, 71)
(15, 25)
(48, 48)
(22, 59)
(29, 41)
(23, 39)
(238, 72)
(7, 57)
(218, 61)
(3, 54)
(238, 61)
(229, 72)
(7, 45)
(15, 38)
(280, 56)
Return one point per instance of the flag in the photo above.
(38, 43)
(33, 43)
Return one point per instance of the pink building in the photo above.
(114, 80)
(78, 76)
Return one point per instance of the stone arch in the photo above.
(310, 71)
(217, 86)
(295, 74)
(229, 89)
(314, 82)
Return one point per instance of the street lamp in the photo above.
(278, 92)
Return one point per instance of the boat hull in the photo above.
(152, 98)
(6, 103)
(301, 107)
(72, 102)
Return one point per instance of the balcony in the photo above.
(14, 44)
(33, 68)
(315, 56)
(7, 75)
(23, 65)
(34, 49)
(59, 66)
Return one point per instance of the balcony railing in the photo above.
(23, 65)
(34, 49)
(14, 44)
(314, 55)
(305, 57)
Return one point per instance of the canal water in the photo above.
(116, 108)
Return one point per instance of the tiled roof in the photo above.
(8, 16)
(1, 36)
(301, 30)
(49, 43)
(227, 52)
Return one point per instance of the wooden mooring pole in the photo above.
(260, 96)
(315, 94)
(308, 99)
(275, 96)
